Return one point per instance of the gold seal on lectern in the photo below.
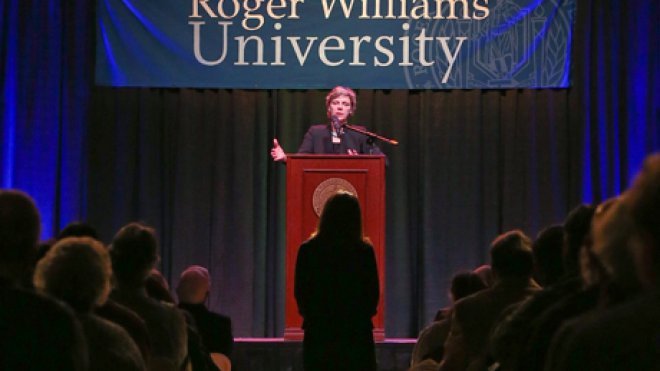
(327, 189)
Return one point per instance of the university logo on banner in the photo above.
(301, 44)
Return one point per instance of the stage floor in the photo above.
(276, 354)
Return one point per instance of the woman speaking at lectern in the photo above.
(333, 137)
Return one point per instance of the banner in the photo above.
(301, 44)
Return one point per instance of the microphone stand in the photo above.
(371, 135)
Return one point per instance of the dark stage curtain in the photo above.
(195, 163)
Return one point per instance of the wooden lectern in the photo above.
(310, 181)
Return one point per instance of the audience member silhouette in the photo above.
(78, 229)
(77, 270)
(625, 336)
(214, 328)
(547, 250)
(110, 309)
(199, 358)
(462, 284)
(36, 332)
(336, 288)
(539, 318)
(431, 340)
(136, 327)
(612, 231)
(473, 317)
(643, 198)
(485, 272)
(509, 334)
(133, 253)
(158, 288)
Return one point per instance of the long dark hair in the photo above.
(341, 218)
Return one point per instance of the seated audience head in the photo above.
(547, 249)
(78, 229)
(341, 218)
(643, 198)
(157, 287)
(465, 284)
(76, 270)
(19, 234)
(592, 271)
(134, 254)
(485, 272)
(612, 230)
(577, 227)
(194, 285)
(511, 256)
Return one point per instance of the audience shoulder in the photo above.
(40, 324)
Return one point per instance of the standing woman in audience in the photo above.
(336, 287)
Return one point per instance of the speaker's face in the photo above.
(340, 107)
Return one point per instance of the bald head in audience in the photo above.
(194, 285)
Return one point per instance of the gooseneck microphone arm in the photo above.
(370, 134)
